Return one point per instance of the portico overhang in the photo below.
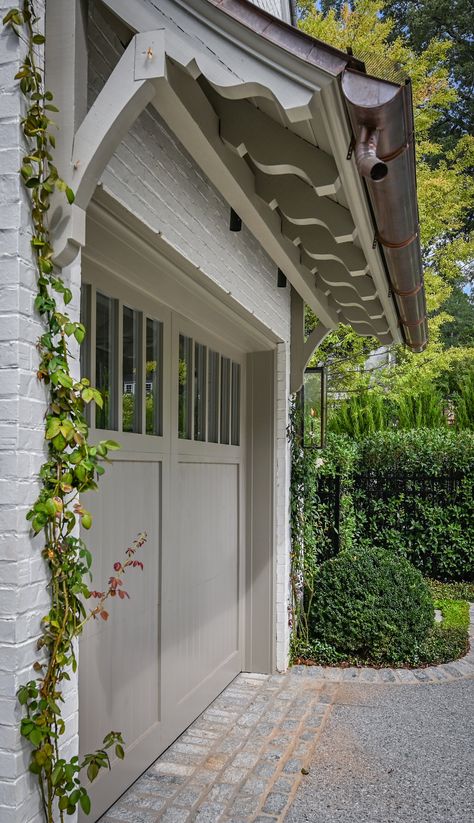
(315, 156)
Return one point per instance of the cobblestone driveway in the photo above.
(241, 760)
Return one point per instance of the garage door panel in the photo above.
(203, 632)
(120, 655)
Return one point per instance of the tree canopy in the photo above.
(391, 42)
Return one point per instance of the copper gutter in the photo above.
(381, 116)
(385, 109)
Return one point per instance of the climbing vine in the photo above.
(73, 466)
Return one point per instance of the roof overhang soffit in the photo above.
(279, 183)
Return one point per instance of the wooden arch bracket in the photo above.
(301, 350)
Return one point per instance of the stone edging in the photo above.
(457, 670)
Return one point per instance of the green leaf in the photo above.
(50, 507)
(86, 520)
(70, 195)
(92, 771)
(59, 442)
(52, 427)
(112, 445)
(80, 332)
(119, 751)
(22, 695)
(85, 802)
(67, 296)
(38, 39)
(65, 380)
(35, 736)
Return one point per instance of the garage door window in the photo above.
(131, 373)
(213, 398)
(200, 369)
(209, 395)
(154, 372)
(128, 363)
(106, 361)
(185, 387)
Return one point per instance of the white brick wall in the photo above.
(23, 596)
(152, 176)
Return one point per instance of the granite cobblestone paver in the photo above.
(241, 760)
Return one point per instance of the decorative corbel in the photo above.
(124, 96)
(301, 350)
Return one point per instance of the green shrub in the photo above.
(371, 605)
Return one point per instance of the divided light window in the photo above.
(128, 363)
(209, 391)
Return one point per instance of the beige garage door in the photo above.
(174, 399)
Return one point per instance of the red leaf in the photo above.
(104, 615)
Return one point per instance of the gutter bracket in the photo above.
(351, 148)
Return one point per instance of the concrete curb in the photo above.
(457, 670)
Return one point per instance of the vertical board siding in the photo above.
(205, 561)
(121, 655)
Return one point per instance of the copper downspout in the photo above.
(381, 118)
(368, 163)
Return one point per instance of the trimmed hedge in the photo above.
(415, 519)
(413, 494)
(372, 606)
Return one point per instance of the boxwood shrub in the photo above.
(371, 605)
